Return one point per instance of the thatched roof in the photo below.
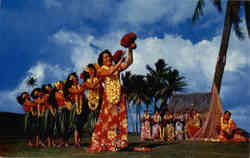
(183, 102)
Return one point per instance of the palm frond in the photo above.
(247, 15)
(160, 65)
(238, 31)
(235, 6)
(31, 81)
(198, 10)
(217, 4)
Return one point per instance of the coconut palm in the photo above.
(31, 81)
(231, 19)
(139, 95)
(127, 89)
(165, 81)
(138, 91)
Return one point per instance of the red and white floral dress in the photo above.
(111, 129)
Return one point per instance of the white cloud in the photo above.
(195, 61)
(150, 11)
(81, 51)
(41, 71)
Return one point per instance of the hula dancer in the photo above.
(228, 130)
(110, 131)
(39, 100)
(95, 90)
(193, 124)
(50, 116)
(145, 127)
(156, 125)
(64, 108)
(75, 91)
(169, 127)
(30, 114)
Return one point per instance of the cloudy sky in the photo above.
(50, 38)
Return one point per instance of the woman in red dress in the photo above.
(111, 129)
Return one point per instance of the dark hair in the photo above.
(20, 98)
(100, 60)
(52, 98)
(93, 67)
(44, 88)
(33, 92)
(69, 84)
(227, 111)
(86, 74)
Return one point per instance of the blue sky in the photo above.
(50, 38)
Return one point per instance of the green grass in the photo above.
(18, 148)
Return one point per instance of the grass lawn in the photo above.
(18, 148)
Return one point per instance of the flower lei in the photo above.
(113, 87)
(93, 96)
(146, 117)
(226, 126)
(157, 118)
(33, 111)
(78, 102)
(41, 112)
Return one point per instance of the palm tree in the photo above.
(231, 18)
(139, 96)
(31, 81)
(127, 89)
(154, 78)
(165, 81)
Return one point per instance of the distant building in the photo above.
(184, 102)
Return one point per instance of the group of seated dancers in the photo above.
(185, 125)
(172, 126)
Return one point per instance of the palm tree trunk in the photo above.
(136, 121)
(131, 118)
(140, 121)
(155, 106)
(221, 59)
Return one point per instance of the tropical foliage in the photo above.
(232, 18)
(153, 89)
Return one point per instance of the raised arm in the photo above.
(106, 72)
(130, 58)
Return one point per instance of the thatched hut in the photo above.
(184, 102)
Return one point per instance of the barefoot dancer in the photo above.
(38, 96)
(77, 99)
(63, 113)
(95, 90)
(50, 116)
(30, 114)
(106, 136)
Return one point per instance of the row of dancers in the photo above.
(172, 126)
(185, 126)
(62, 110)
